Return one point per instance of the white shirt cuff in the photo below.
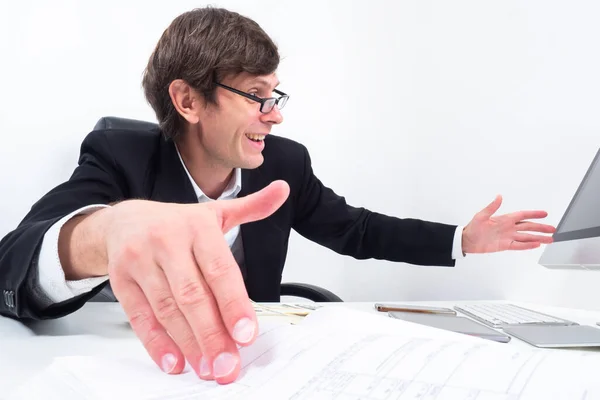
(51, 276)
(457, 252)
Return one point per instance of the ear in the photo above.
(186, 100)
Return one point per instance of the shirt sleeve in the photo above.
(457, 252)
(51, 284)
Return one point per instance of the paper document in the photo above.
(335, 354)
(285, 309)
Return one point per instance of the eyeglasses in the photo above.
(267, 103)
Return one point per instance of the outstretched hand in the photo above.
(177, 280)
(487, 233)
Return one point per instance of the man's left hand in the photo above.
(487, 233)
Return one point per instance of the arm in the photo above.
(50, 285)
(94, 181)
(324, 217)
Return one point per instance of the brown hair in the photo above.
(202, 46)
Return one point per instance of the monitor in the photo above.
(576, 242)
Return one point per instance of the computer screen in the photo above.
(577, 238)
(582, 217)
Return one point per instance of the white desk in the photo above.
(102, 328)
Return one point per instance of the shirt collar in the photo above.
(231, 191)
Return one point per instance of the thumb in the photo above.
(491, 208)
(253, 207)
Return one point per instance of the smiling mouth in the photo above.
(255, 137)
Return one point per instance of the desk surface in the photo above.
(101, 328)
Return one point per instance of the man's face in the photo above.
(233, 130)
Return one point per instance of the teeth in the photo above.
(255, 136)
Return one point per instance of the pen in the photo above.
(414, 308)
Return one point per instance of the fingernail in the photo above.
(204, 368)
(243, 331)
(224, 365)
(168, 362)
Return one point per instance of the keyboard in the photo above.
(498, 315)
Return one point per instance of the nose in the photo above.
(273, 117)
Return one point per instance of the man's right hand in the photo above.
(175, 276)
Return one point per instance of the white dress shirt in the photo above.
(55, 288)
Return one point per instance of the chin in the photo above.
(252, 162)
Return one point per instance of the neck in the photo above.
(211, 177)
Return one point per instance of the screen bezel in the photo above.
(580, 233)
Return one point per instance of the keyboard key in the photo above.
(498, 315)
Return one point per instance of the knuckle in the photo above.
(153, 338)
(166, 307)
(188, 343)
(192, 293)
(216, 269)
(129, 252)
(158, 234)
(140, 319)
(149, 331)
(116, 274)
(213, 341)
(230, 305)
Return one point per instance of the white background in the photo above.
(423, 109)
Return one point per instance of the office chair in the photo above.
(304, 290)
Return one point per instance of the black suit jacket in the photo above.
(123, 164)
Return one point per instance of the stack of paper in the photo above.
(285, 309)
(340, 354)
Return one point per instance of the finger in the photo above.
(166, 310)
(159, 345)
(527, 226)
(525, 237)
(488, 211)
(223, 279)
(225, 282)
(253, 207)
(524, 245)
(531, 214)
(220, 356)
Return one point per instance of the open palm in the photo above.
(487, 233)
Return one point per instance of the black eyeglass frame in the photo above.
(276, 100)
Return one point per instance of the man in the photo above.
(139, 211)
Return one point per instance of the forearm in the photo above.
(363, 234)
(81, 246)
(31, 271)
(409, 240)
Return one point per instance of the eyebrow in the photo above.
(262, 81)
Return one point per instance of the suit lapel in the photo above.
(172, 184)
